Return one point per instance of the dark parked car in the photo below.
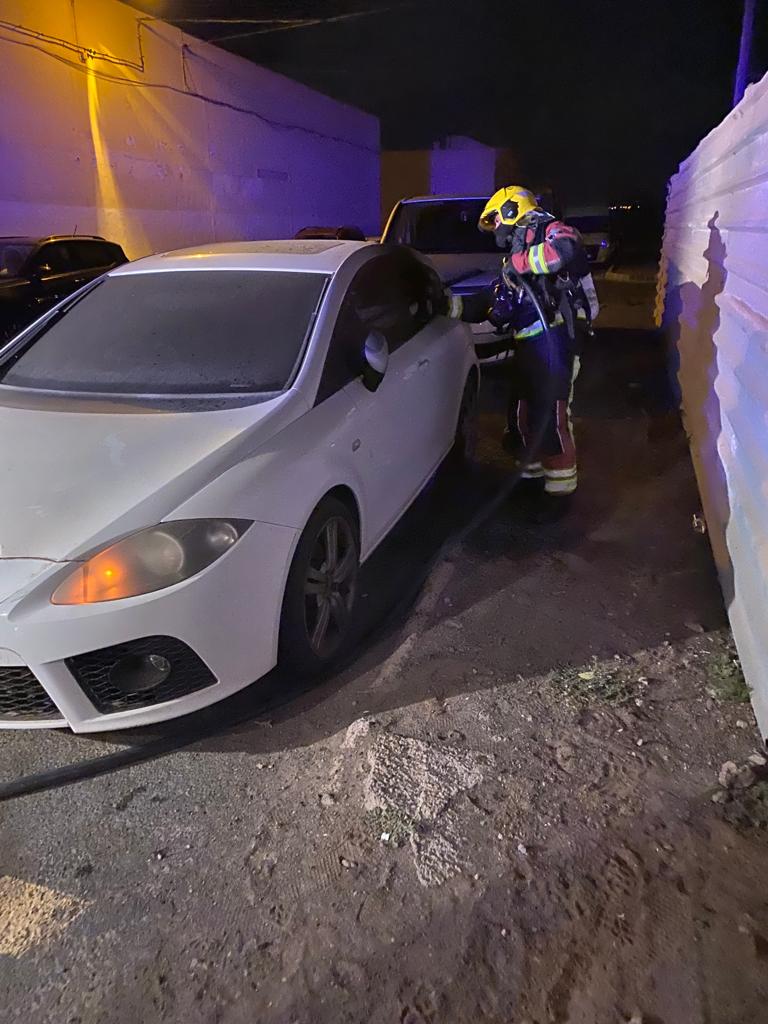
(345, 233)
(35, 273)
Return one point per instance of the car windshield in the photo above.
(598, 223)
(13, 256)
(175, 332)
(442, 226)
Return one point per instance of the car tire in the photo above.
(462, 454)
(320, 595)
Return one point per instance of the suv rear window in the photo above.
(90, 255)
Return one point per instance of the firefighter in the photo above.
(551, 257)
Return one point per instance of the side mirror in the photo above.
(375, 360)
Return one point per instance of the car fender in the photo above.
(261, 488)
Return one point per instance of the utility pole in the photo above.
(745, 50)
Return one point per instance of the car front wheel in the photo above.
(321, 590)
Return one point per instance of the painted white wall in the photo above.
(104, 127)
(463, 165)
(713, 300)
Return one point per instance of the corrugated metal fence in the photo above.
(713, 301)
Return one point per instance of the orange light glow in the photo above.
(103, 578)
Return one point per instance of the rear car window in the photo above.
(175, 332)
(441, 227)
(92, 255)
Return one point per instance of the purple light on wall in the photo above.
(745, 49)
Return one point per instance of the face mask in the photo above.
(503, 235)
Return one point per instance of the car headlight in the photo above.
(150, 560)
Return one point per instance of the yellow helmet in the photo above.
(511, 204)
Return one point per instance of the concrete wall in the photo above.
(713, 300)
(124, 126)
(463, 165)
(458, 165)
(404, 172)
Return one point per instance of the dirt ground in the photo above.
(536, 794)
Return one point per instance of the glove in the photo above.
(505, 308)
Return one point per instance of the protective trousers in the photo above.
(541, 389)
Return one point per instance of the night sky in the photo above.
(600, 99)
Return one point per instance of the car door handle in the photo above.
(422, 363)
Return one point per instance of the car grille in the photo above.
(92, 671)
(22, 698)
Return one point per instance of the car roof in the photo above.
(318, 256)
(38, 239)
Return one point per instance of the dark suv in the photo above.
(35, 273)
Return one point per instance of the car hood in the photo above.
(75, 474)
(467, 271)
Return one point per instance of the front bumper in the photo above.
(228, 615)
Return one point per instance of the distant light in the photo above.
(603, 244)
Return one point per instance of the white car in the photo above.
(199, 450)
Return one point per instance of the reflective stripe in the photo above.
(536, 328)
(530, 260)
(529, 332)
(532, 473)
(561, 474)
(556, 486)
(538, 263)
(575, 374)
(456, 308)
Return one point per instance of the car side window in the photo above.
(344, 361)
(57, 257)
(393, 294)
(92, 255)
(401, 300)
(422, 288)
(114, 254)
(87, 255)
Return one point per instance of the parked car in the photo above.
(346, 233)
(35, 273)
(213, 442)
(444, 228)
(594, 225)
